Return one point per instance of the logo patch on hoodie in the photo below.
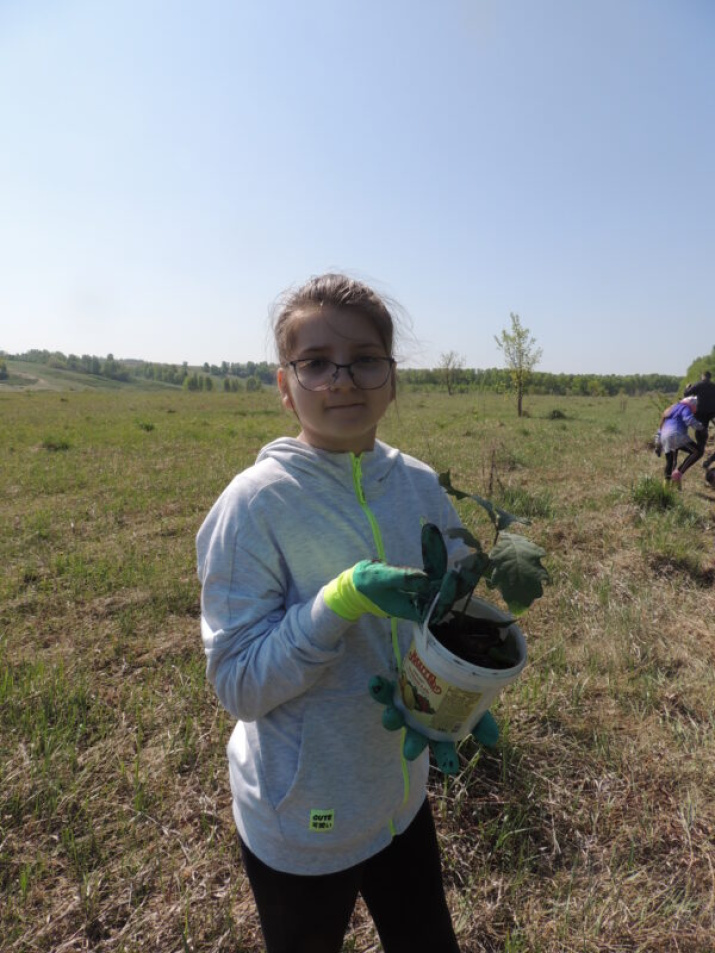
(322, 820)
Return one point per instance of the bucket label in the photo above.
(456, 706)
(431, 699)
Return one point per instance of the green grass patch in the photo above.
(653, 493)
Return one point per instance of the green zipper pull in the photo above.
(360, 494)
(357, 479)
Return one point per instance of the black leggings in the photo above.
(401, 886)
(696, 451)
(671, 459)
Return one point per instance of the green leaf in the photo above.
(517, 571)
(445, 481)
(434, 552)
(471, 569)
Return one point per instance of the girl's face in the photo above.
(342, 418)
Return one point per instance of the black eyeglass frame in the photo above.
(338, 367)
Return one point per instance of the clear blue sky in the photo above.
(168, 167)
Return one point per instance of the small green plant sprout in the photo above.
(512, 565)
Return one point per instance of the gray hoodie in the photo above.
(318, 784)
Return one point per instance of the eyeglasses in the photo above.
(367, 373)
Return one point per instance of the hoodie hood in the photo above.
(301, 459)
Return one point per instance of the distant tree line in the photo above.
(86, 364)
(700, 364)
(499, 380)
(162, 373)
(233, 376)
(264, 372)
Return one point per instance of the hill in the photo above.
(28, 375)
(52, 370)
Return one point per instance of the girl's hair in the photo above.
(331, 291)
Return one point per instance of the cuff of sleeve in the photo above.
(344, 599)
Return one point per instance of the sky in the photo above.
(168, 168)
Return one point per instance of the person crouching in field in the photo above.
(673, 435)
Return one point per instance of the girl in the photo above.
(673, 435)
(297, 616)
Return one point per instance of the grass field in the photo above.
(590, 828)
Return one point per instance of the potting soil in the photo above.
(485, 648)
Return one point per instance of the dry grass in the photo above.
(590, 828)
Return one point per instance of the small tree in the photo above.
(450, 364)
(521, 355)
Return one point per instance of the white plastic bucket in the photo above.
(444, 696)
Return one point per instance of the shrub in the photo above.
(49, 443)
(650, 493)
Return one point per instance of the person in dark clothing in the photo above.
(704, 390)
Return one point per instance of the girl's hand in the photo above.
(380, 589)
(383, 590)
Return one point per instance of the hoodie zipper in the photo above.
(379, 545)
(377, 537)
(360, 494)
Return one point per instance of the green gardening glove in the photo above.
(380, 589)
(444, 753)
(486, 731)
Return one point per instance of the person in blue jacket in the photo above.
(673, 435)
(303, 601)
